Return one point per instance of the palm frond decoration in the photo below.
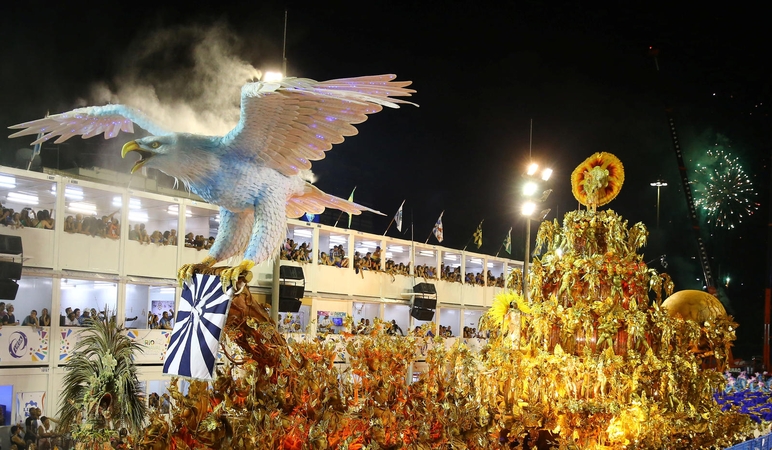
(101, 384)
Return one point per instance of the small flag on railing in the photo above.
(438, 232)
(351, 199)
(398, 217)
(196, 335)
(478, 236)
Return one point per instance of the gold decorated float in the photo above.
(593, 360)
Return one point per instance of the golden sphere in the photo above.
(694, 305)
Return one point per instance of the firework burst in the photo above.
(723, 189)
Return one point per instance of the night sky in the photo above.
(481, 71)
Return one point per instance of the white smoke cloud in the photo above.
(187, 78)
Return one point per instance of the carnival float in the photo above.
(592, 357)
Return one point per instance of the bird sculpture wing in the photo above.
(289, 123)
(314, 201)
(88, 122)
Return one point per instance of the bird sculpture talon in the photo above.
(229, 277)
(185, 273)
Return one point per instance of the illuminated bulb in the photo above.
(546, 174)
(271, 77)
(532, 169)
(528, 208)
(530, 188)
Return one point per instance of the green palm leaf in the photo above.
(102, 363)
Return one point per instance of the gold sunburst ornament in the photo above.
(598, 179)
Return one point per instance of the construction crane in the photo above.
(695, 221)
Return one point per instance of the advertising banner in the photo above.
(27, 400)
(23, 345)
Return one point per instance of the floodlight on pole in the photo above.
(530, 190)
(658, 184)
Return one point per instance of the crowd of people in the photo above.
(8, 317)
(104, 227)
(77, 318)
(166, 322)
(161, 403)
(291, 251)
(37, 432)
(27, 218)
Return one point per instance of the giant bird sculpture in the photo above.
(258, 173)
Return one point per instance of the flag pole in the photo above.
(342, 212)
(432, 232)
(470, 239)
(502, 244)
(392, 219)
(338, 220)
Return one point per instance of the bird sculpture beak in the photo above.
(133, 146)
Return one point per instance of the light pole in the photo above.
(658, 184)
(530, 190)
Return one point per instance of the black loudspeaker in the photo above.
(289, 305)
(425, 303)
(8, 289)
(422, 314)
(10, 270)
(289, 291)
(10, 245)
(425, 288)
(291, 273)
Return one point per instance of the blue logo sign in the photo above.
(17, 344)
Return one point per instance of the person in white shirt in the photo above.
(71, 321)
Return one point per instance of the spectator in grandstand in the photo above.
(165, 323)
(144, 238)
(134, 233)
(44, 220)
(114, 229)
(395, 329)
(72, 320)
(69, 224)
(45, 319)
(17, 437)
(28, 219)
(172, 237)
(9, 318)
(156, 238)
(31, 320)
(6, 217)
(16, 222)
(154, 324)
(3, 312)
(324, 259)
(375, 258)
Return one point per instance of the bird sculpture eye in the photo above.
(155, 144)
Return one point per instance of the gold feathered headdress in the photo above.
(598, 179)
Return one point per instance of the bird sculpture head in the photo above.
(157, 152)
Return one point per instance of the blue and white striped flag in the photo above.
(196, 335)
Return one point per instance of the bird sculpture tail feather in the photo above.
(313, 200)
